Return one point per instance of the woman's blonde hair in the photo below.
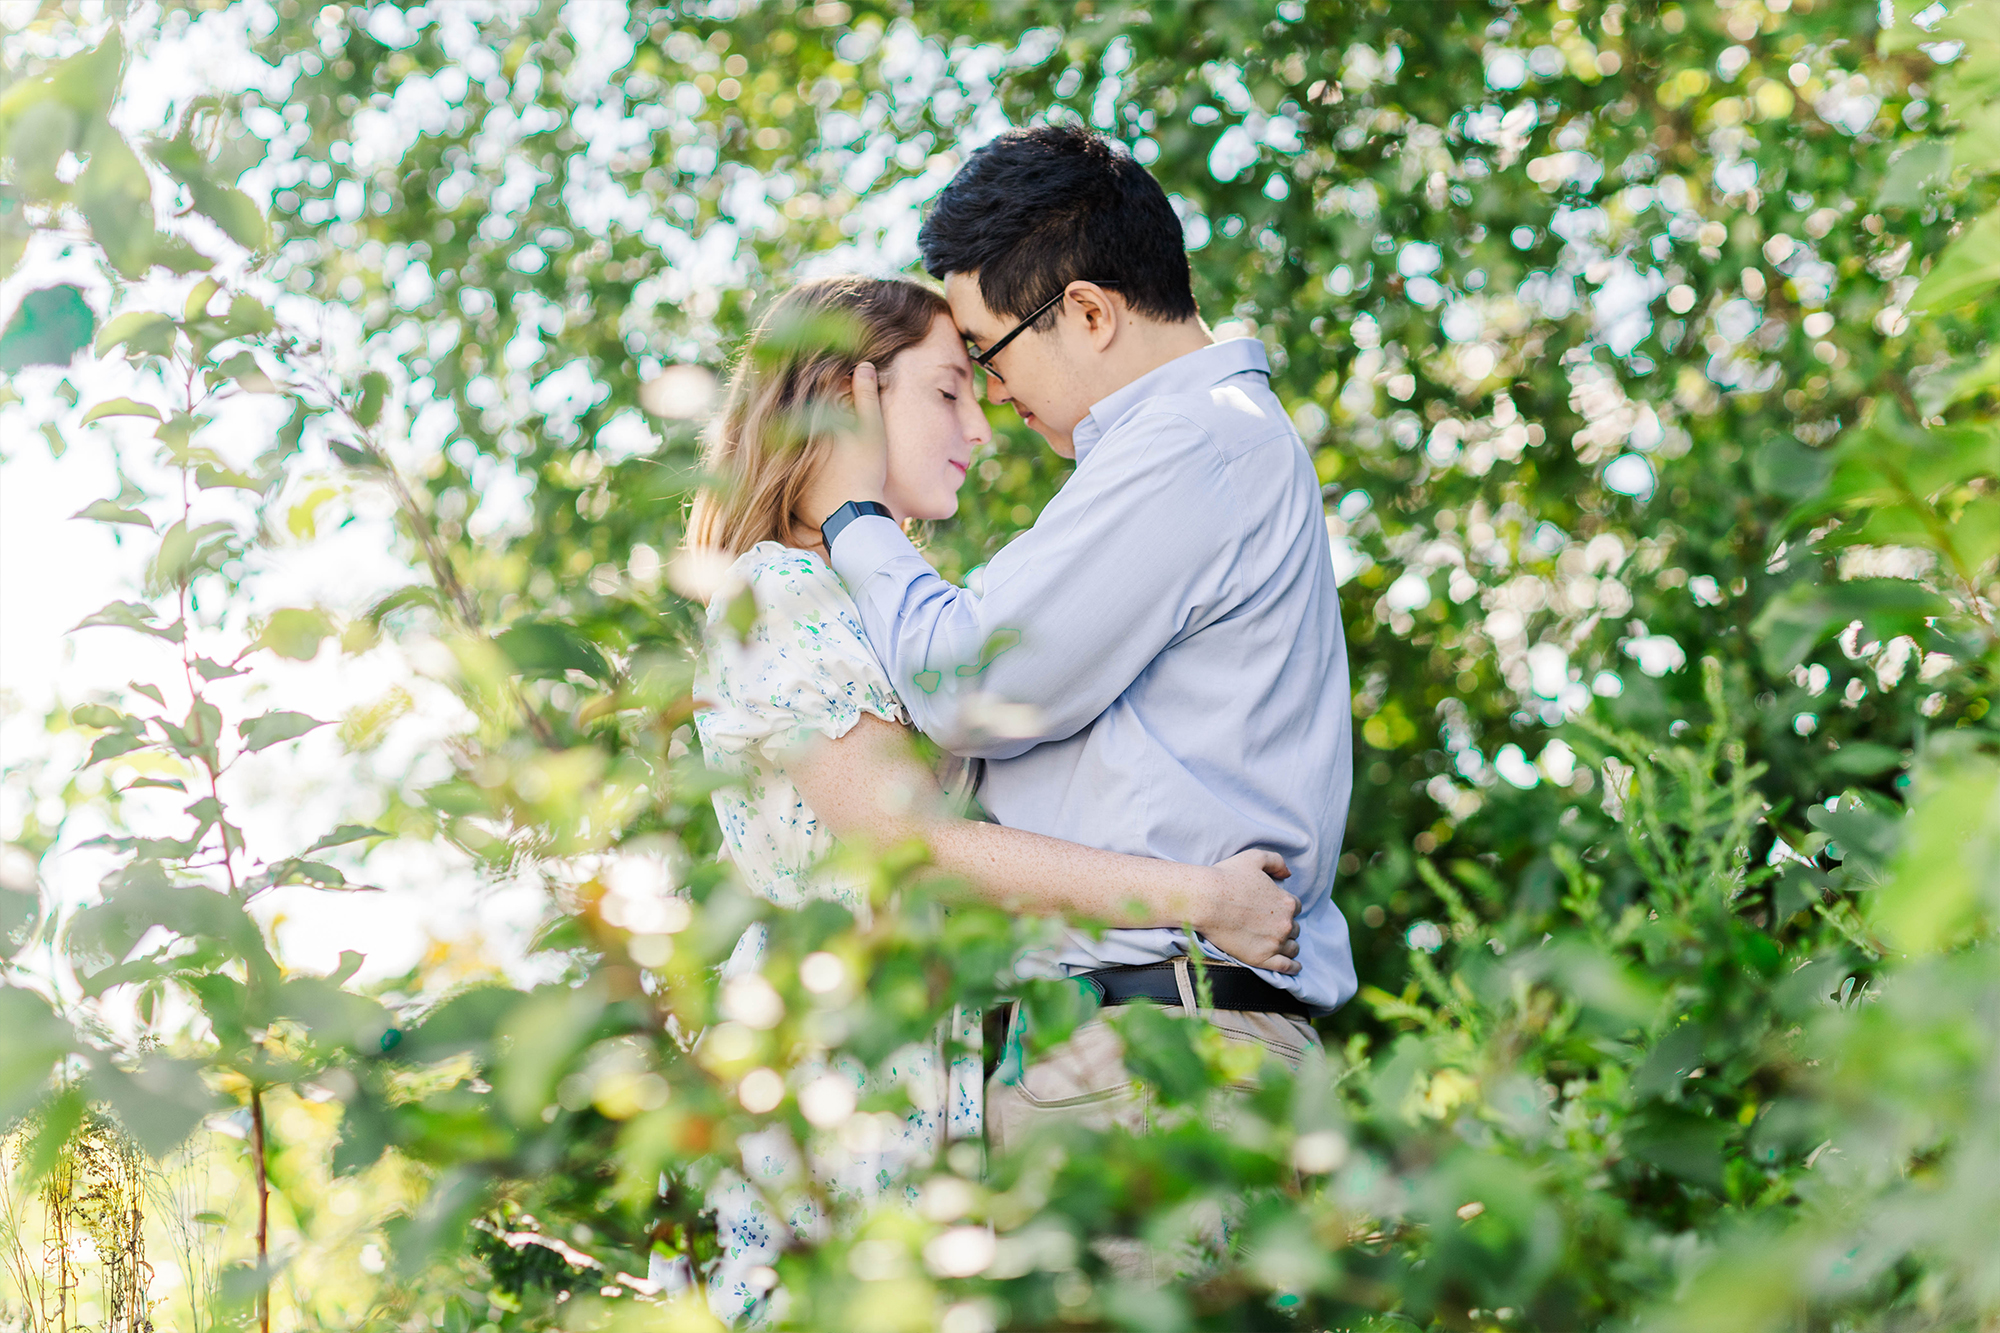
(788, 395)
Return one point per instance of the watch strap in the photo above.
(846, 514)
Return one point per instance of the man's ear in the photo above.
(1101, 315)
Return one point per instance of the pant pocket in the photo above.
(1089, 1067)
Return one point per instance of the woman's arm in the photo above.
(869, 787)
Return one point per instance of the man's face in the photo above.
(1038, 372)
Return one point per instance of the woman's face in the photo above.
(933, 421)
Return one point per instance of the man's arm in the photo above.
(1071, 611)
(868, 787)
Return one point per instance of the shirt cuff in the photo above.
(864, 546)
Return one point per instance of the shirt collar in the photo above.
(1193, 373)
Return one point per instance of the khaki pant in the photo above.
(1084, 1080)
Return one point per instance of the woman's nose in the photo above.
(972, 420)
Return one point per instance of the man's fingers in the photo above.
(1275, 867)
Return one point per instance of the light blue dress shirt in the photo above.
(1156, 667)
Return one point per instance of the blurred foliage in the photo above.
(1648, 356)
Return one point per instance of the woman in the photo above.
(801, 709)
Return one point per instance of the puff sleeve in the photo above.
(804, 668)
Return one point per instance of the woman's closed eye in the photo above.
(949, 396)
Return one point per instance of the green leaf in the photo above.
(113, 744)
(178, 257)
(1159, 1049)
(186, 552)
(247, 316)
(211, 670)
(198, 298)
(147, 967)
(1862, 837)
(36, 1038)
(37, 140)
(88, 82)
(160, 1103)
(467, 1022)
(121, 407)
(228, 207)
(295, 632)
(1808, 614)
(1946, 871)
(52, 1130)
(150, 691)
(1968, 269)
(741, 617)
(416, 594)
(132, 615)
(243, 369)
(107, 511)
(1914, 173)
(367, 1128)
(208, 477)
(260, 733)
(1976, 533)
(1790, 469)
(1956, 383)
(104, 716)
(346, 833)
(545, 1032)
(1864, 759)
(296, 870)
(140, 330)
(334, 1015)
(197, 733)
(51, 326)
(374, 390)
(14, 228)
(117, 198)
(1680, 1142)
(544, 648)
(141, 898)
(315, 872)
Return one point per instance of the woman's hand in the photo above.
(1250, 918)
(857, 467)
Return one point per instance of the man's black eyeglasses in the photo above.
(984, 360)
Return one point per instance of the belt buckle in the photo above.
(1092, 987)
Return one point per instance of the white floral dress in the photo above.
(804, 671)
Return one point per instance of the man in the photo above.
(1157, 666)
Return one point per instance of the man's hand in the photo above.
(857, 467)
(1250, 918)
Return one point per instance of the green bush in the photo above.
(1647, 356)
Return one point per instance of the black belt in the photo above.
(1230, 987)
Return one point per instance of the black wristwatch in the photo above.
(846, 514)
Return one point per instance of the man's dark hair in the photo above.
(1040, 208)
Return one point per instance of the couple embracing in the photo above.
(1164, 644)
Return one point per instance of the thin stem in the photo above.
(187, 652)
(263, 1209)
